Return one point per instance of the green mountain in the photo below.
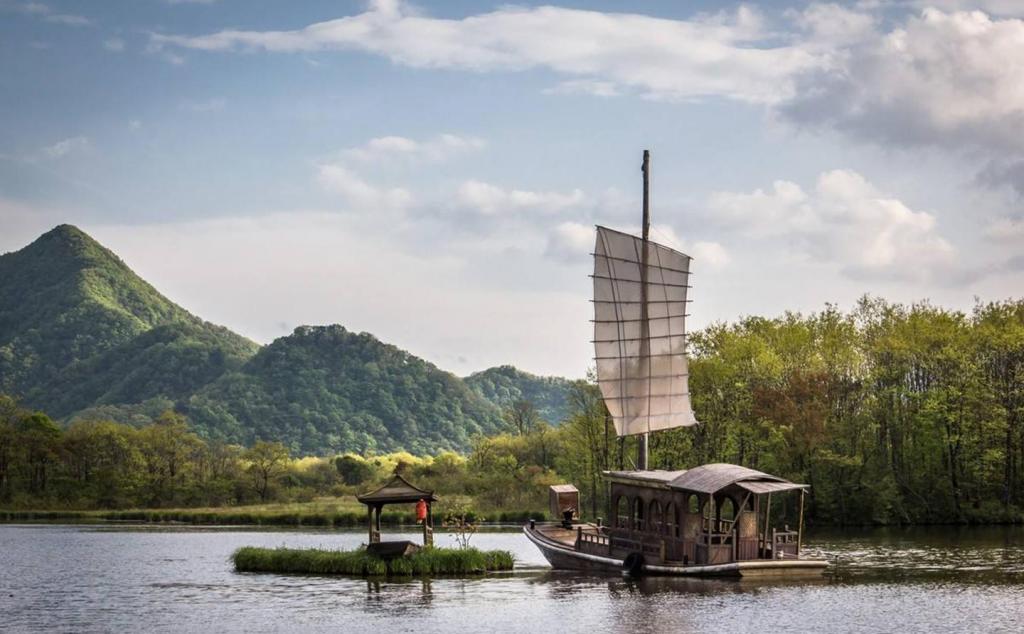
(504, 385)
(324, 388)
(79, 328)
(82, 336)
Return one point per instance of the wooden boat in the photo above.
(708, 521)
(711, 520)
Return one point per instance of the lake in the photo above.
(132, 578)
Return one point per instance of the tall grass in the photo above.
(425, 562)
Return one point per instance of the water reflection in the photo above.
(93, 578)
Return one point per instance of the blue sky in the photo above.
(431, 173)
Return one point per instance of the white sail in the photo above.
(642, 371)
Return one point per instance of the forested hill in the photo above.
(82, 336)
(504, 385)
(326, 389)
(79, 328)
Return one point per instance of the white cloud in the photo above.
(489, 199)
(437, 149)
(60, 149)
(722, 54)
(1007, 8)
(846, 221)
(49, 15)
(359, 194)
(829, 26)
(712, 254)
(935, 77)
(114, 44)
(947, 79)
(570, 241)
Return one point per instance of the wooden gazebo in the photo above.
(397, 491)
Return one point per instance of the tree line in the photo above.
(892, 413)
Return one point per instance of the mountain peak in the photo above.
(65, 298)
(69, 241)
(66, 231)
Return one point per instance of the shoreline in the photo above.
(241, 516)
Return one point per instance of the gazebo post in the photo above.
(377, 522)
(369, 522)
(428, 527)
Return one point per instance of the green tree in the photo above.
(521, 417)
(267, 460)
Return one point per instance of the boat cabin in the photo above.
(712, 514)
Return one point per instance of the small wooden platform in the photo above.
(392, 550)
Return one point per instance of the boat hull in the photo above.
(562, 557)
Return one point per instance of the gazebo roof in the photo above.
(397, 491)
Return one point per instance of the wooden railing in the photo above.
(714, 548)
(785, 544)
(707, 548)
(593, 543)
(659, 546)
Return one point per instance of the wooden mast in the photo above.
(645, 343)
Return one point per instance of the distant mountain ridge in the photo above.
(504, 385)
(81, 335)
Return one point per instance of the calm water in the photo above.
(97, 578)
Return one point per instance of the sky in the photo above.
(432, 172)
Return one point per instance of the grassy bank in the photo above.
(426, 562)
(340, 513)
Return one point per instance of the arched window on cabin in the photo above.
(726, 515)
(672, 520)
(708, 514)
(622, 512)
(638, 514)
(693, 504)
(654, 518)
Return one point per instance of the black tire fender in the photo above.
(633, 564)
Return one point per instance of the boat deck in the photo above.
(565, 536)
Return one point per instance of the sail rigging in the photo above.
(640, 297)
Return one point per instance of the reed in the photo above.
(425, 562)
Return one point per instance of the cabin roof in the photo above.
(396, 491)
(564, 488)
(709, 478)
(658, 476)
(758, 488)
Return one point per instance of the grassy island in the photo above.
(426, 562)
